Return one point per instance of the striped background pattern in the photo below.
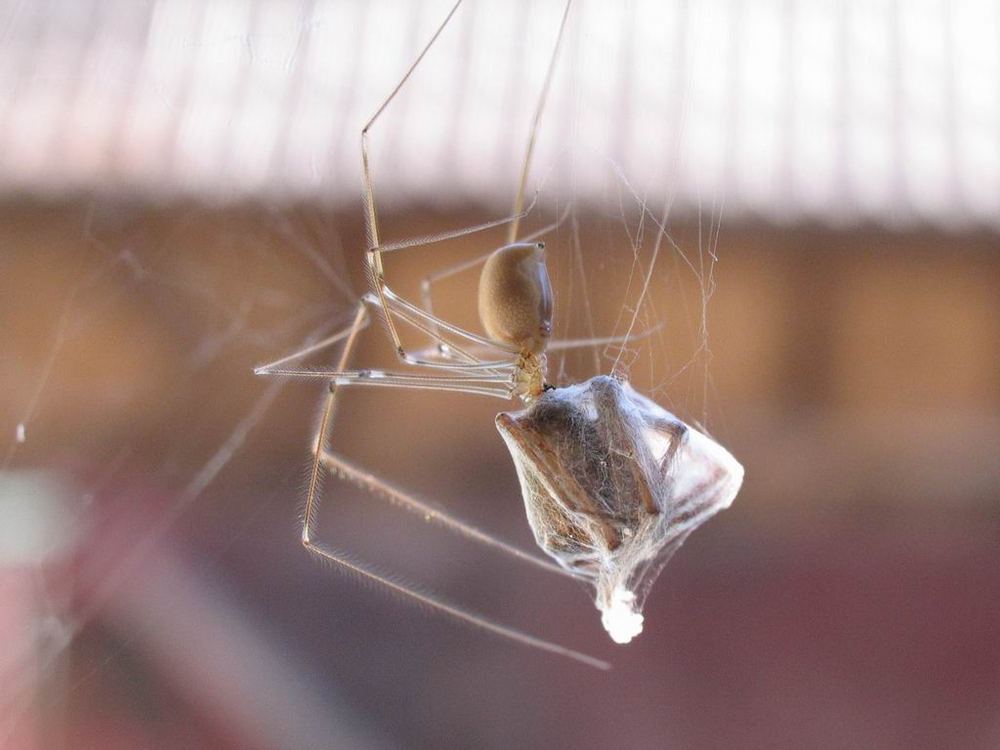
(844, 112)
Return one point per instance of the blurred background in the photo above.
(813, 190)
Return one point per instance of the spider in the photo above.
(612, 483)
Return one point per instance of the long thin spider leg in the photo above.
(563, 344)
(452, 234)
(478, 261)
(499, 369)
(393, 303)
(393, 306)
(542, 98)
(486, 378)
(463, 615)
(472, 385)
(427, 284)
(321, 453)
(376, 249)
(367, 481)
(483, 385)
(375, 267)
(555, 345)
(433, 327)
(397, 303)
(329, 341)
(480, 379)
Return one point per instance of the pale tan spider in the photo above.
(612, 483)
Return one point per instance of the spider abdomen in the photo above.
(515, 297)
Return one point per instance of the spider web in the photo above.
(133, 416)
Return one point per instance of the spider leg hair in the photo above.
(350, 472)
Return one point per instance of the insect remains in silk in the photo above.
(612, 485)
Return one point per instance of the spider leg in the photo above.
(322, 456)
(564, 344)
(349, 471)
(442, 353)
(436, 329)
(394, 306)
(540, 108)
(376, 249)
(463, 615)
(276, 365)
(499, 371)
(450, 234)
(486, 378)
(482, 385)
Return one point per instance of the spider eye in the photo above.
(515, 297)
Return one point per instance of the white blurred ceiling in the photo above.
(790, 110)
